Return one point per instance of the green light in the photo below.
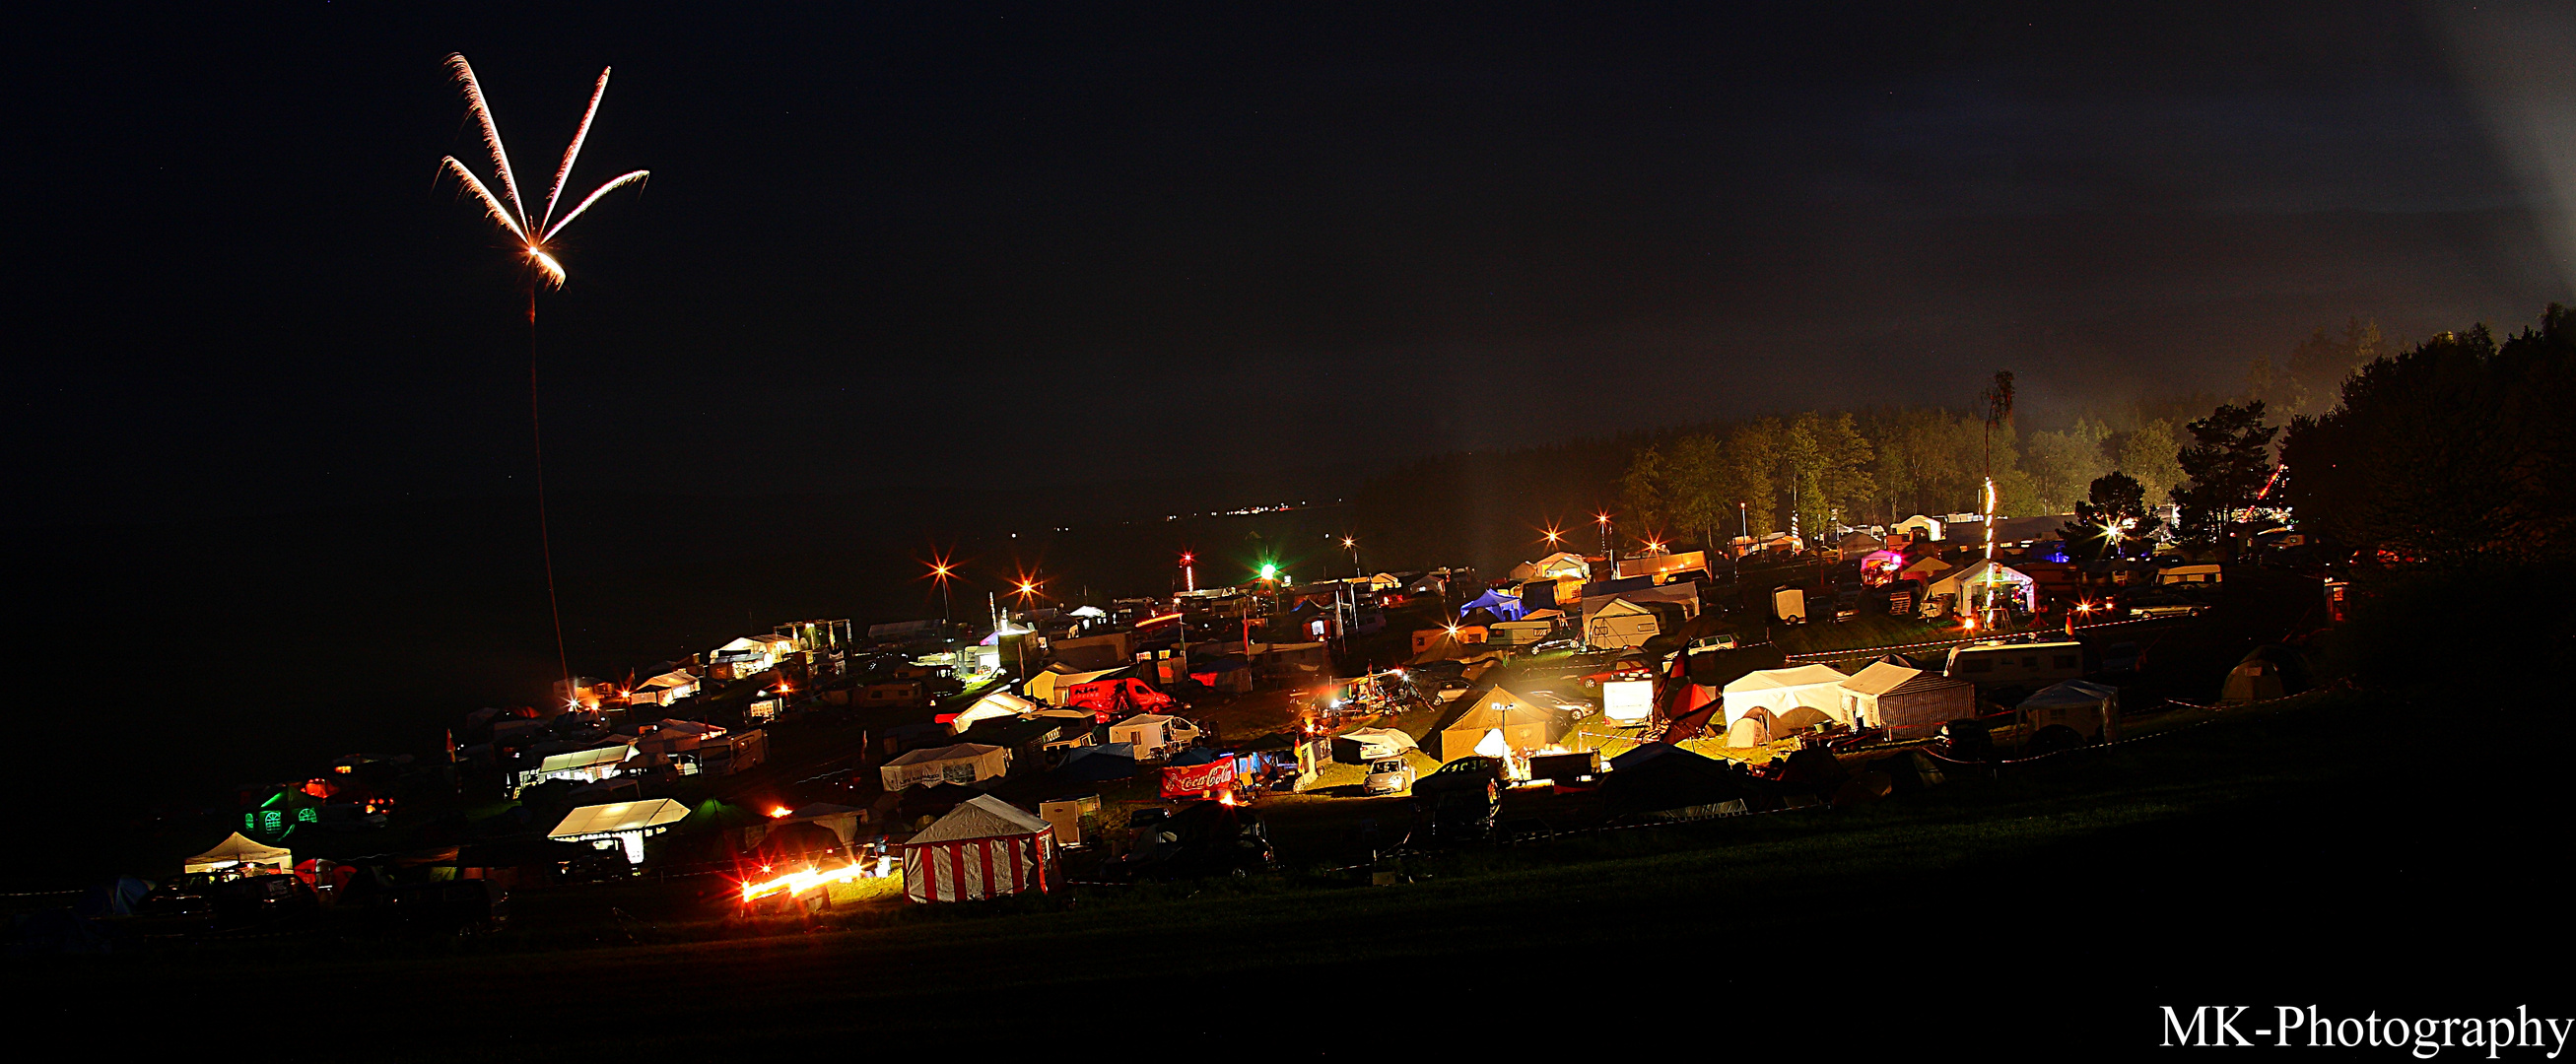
(1269, 571)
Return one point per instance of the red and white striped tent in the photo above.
(984, 848)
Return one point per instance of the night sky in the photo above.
(882, 240)
(911, 277)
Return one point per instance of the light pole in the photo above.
(1609, 554)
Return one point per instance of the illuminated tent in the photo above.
(242, 853)
(1793, 698)
(1969, 584)
(963, 763)
(1442, 647)
(1000, 705)
(1523, 723)
(624, 822)
(983, 848)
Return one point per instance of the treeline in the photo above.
(2445, 472)
(1695, 484)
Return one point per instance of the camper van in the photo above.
(2025, 665)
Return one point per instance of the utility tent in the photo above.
(240, 852)
(1791, 699)
(963, 763)
(1906, 701)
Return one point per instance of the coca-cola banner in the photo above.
(1196, 779)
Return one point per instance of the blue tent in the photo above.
(1196, 755)
(1506, 607)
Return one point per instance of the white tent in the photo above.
(1968, 585)
(962, 763)
(240, 852)
(1794, 698)
(1619, 623)
(1362, 745)
(984, 848)
(626, 823)
(999, 704)
(1926, 527)
(1906, 701)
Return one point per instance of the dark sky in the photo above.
(880, 241)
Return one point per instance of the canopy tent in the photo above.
(1359, 746)
(618, 816)
(1521, 723)
(1906, 701)
(623, 823)
(1503, 607)
(983, 848)
(1049, 686)
(240, 852)
(1792, 698)
(962, 763)
(1969, 585)
(995, 706)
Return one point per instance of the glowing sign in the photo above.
(1628, 701)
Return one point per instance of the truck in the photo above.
(1126, 695)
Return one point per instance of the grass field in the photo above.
(2296, 854)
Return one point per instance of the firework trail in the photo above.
(534, 233)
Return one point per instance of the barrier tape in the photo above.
(1827, 655)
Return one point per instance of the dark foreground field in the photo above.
(2348, 851)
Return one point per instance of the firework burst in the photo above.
(535, 233)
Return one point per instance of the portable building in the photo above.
(1153, 733)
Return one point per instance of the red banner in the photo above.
(1198, 779)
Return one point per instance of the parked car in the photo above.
(1553, 646)
(1627, 669)
(2159, 604)
(1202, 839)
(1464, 796)
(1391, 775)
